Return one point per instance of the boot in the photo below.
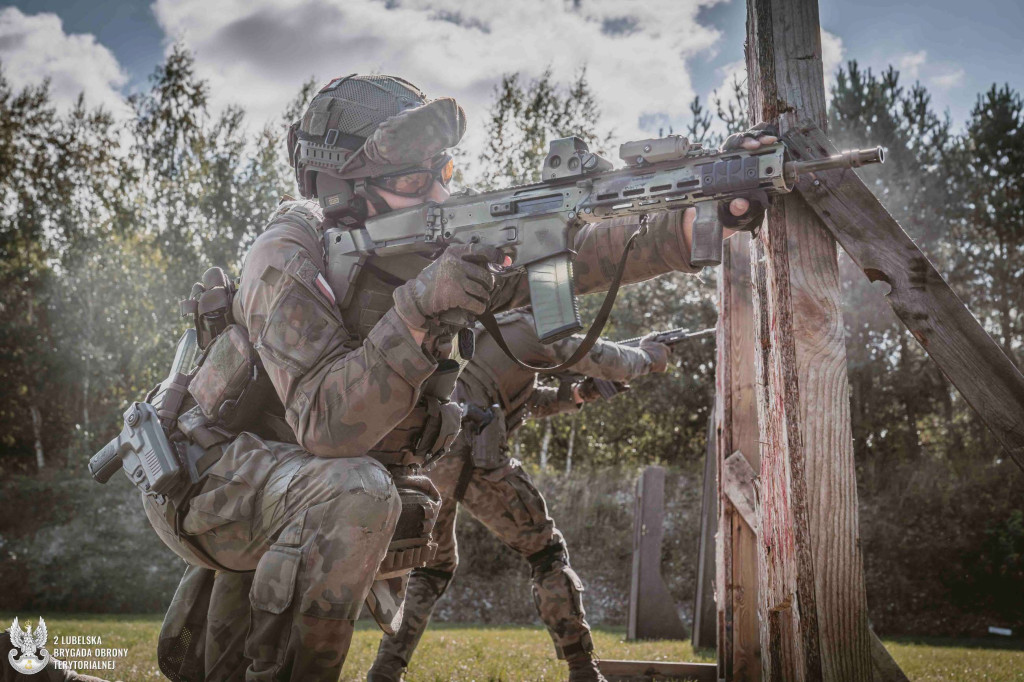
(583, 668)
(386, 668)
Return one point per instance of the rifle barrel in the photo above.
(635, 341)
(853, 158)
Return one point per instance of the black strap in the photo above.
(593, 334)
(465, 475)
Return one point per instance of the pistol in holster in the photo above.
(143, 451)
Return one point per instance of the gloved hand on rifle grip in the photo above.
(591, 389)
(746, 214)
(457, 281)
(658, 352)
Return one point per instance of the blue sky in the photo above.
(646, 58)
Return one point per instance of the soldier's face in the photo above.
(437, 193)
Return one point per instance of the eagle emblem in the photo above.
(30, 645)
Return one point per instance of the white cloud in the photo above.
(256, 53)
(34, 47)
(910, 64)
(949, 80)
(832, 53)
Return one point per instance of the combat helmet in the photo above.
(358, 127)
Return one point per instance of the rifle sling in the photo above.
(593, 334)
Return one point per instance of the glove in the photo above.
(752, 219)
(458, 280)
(592, 389)
(658, 352)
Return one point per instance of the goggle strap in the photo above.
(365, 190)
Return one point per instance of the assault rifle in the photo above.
(536, 224)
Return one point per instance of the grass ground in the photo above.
(464, 653)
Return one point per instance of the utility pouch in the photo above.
(411, 547)
(490, 444)
(226, 387)
(444, 417)
(209, 304)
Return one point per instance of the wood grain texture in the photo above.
(738, 485)
(736, 406)
(811, 583)
(704, 609)
(886, 669)
(945, 328)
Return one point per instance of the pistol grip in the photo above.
(556, 312)
(706, 249)
(106, 462)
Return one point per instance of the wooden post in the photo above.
(811, 582)
(652, 610)
(739, 645)
(705, 615)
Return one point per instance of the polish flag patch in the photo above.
(325, 288)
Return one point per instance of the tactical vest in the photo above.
(363, 291)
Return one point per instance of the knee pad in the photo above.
(438, 581)
(558, 596)
(550, 558)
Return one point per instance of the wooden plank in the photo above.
(811, 588)
(628, 671)
(920, 297)
(739, 644)
(738, 485)
(652, 610)
(885, 668)
(704, 610)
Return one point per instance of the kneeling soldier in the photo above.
(496, 490)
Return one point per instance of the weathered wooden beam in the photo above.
(738, 485)
(739, 643)
(885, 668)
(811, 589)
(705, 614)
(741, 483)
(630, 671)
(945, 328)
(652, 610)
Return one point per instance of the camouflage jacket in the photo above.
(493, 378)
(348, 378)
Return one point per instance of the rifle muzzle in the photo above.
(853, 158)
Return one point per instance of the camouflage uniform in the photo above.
(313, 518)
(496, 490)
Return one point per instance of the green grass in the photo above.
(465, 652)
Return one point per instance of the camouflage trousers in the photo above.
(312, 529)
(507, 502)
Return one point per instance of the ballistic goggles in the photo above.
(417, 182)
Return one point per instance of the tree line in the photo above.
(106, 223)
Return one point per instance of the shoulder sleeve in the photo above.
(606, 360)
(599, 248)
(340, 397)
